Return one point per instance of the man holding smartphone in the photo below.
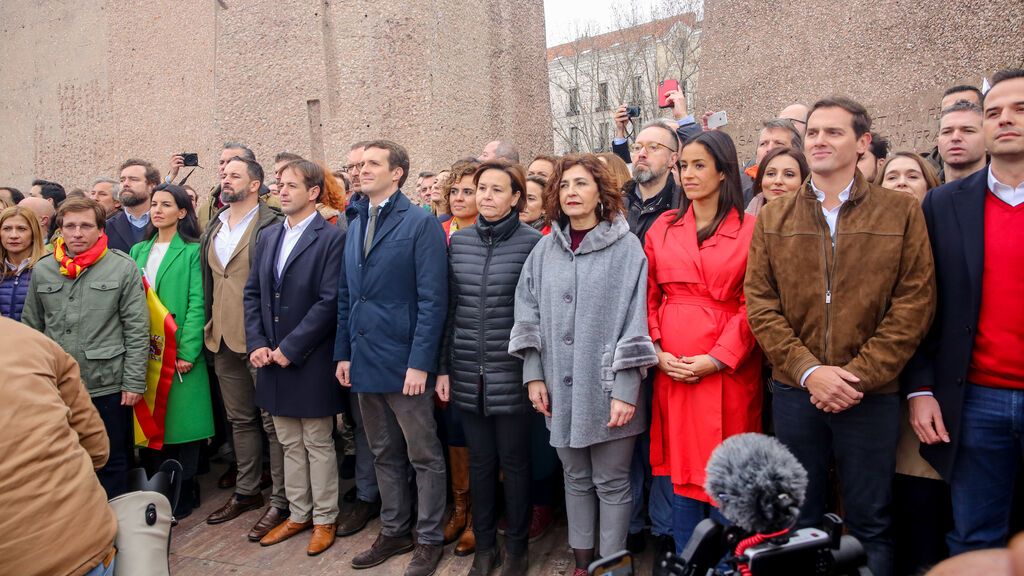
(837, 338)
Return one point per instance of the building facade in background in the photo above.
(591, 76)
(85, 84)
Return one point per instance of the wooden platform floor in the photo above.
(198, 549)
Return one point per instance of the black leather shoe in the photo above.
(384, 547)
(485, 561)
(358, 517)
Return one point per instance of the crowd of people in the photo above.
(612, 317)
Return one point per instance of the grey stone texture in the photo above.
(85, 84)
(895, 57)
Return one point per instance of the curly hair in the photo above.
(610, 203)
(459, 170)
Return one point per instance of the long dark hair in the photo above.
(730, 191)
(188, 227)
(793, 153)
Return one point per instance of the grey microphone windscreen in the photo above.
(758, 484)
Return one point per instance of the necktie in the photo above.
(371, 226)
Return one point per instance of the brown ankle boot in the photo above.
(459, 460)
(467, 543)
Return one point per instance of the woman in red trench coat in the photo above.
(709, 383)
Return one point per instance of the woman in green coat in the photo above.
(169, 257)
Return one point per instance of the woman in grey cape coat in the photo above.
(581, 329)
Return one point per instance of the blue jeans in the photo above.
(659, 492)
(863, 440)
(686, 514)
(101, 570)
(987, 461)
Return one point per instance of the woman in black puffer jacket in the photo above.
(485, 381)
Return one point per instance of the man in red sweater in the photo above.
(966, 383)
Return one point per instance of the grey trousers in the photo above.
(602, 469)
(366, 477)
(402, 431)
(238, 388)
(310, 468)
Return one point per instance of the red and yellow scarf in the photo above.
(72, 267)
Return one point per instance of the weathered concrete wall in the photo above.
(85, 84)
(896, 57)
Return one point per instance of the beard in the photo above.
(131, 198)
(229, 197)
(645, 175)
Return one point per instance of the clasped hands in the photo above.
(688, 369)
(832, 389)
(262, 357)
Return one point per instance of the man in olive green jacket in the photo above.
(90, 300)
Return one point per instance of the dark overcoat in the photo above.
(393, 301)
(296, 312)
(955, 215)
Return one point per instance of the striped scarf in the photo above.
(72, 267)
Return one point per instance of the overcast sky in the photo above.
(564, 18)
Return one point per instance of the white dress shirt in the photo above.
(227, 238)
(830, 217)
(290, 239)
(156, 256)
(1009, 194)
(833, 214)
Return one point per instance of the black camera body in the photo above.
(821, 551)
(190, 158)
(633, 111)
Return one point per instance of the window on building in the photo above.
(574, 102)
(602, 96)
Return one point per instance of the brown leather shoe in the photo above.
(228, 478)
(271, 519)
(467, 541)
(323, 538)
(235, 507)
(284, 531)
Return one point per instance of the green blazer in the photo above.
(179, 285)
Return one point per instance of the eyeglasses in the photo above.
(349, 167)
(76, 227)
(651, 147)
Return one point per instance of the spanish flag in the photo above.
(163, 352)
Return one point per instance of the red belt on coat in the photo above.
(731, 306)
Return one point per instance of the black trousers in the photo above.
(494, 441)
(863, 440)
(118, 421)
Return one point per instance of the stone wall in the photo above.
(85, 84)
(896, 57)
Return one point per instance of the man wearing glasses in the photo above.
(89, 299)
(652, 190)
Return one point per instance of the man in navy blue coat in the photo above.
(966, 383)
(392, 303)
(290, 308)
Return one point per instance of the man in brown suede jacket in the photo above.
(840, 291)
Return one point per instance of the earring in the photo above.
(600, 210)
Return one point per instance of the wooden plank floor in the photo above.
(198, 549)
